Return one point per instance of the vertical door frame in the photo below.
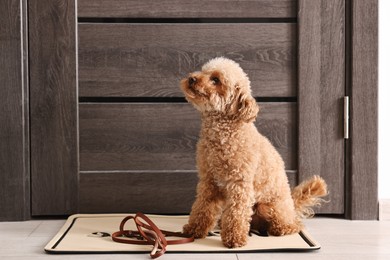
(53, 107)
(362, 147)
(14, 113)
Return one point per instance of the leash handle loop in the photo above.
(148, 234)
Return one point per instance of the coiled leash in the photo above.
(148, 234)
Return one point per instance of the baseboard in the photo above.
(384, 209)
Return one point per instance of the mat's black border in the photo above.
(65, 233)
(307, 240)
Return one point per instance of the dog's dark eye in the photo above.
(215, 80)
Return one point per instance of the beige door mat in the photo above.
(78, 235)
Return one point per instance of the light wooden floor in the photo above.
(340, 239)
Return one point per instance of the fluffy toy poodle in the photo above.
(242, 180)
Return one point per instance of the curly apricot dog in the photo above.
(240, 172)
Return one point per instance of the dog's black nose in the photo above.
(191, 80)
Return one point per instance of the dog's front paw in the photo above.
(188, 229)
(234, 239)
(194, 230)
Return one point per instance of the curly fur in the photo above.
(308, 194)
(241, 175)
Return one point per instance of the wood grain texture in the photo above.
(363, 186)
(163, 136)
(321, 82)
(14, 128)
(186, 8)
(150, 59)
(53, 93)
(151, 192)
(170, 192)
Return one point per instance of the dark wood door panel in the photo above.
(53, 107)
(137, 136)
(170, 192)
(186, 8)
(321, 90)
(147, 60)
(133, 191)
(163, 136)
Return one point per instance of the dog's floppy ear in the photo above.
(245, 108)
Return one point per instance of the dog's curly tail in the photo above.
(308, 194)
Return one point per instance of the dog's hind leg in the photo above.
(205, 210)
(280, 216)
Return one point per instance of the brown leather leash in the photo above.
(148, 234)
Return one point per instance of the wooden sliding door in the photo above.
(111, 131)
